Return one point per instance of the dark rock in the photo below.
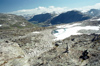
(72, 39)
(7, 41)
(56, 45)
(84, 55)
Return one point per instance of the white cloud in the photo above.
(40, 10)
(50, 9)
(86, 8)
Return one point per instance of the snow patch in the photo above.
(98, 19)
(92, 12)
(60, 35)
(0, 25)
(68, 25)
(36, 32)
(95, 19)
(23, 24)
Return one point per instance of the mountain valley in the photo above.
(69, 39)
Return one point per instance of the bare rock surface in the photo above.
(23, 50)
(12, 55)
(80, 50)
(39, 49)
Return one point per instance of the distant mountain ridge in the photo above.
(41, 17)
(93, 12)
(28, 16)
(70, 16)
(67, 17)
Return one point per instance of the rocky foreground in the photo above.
(22, 50)
(38, 49)
(80, 50)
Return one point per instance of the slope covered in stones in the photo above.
(70, 52)
(10, 20)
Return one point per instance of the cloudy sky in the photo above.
(40, 6)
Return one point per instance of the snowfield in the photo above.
(36, 32)
(67, 30)
(95, 19)
(0, 25)
(68, 25)
(98, 19)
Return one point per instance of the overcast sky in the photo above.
(25, 6)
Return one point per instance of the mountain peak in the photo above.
(93, 12)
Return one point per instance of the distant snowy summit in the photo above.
(67, 17)
(93, 12)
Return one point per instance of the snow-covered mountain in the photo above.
(93, 12)
(28, 16)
